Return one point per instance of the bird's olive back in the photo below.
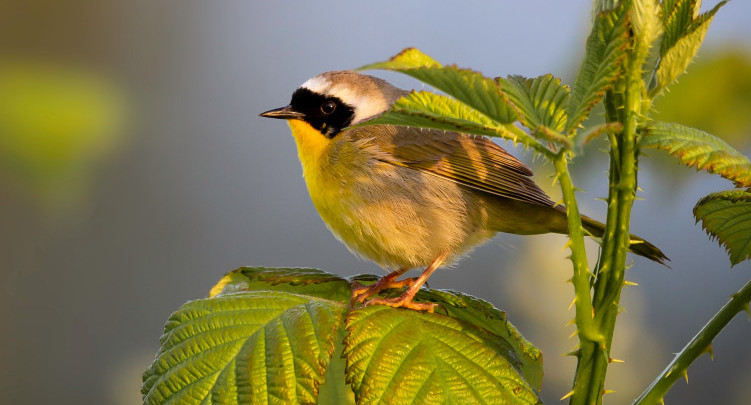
(327, 114)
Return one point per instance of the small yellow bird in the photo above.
(406, 197)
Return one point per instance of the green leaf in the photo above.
(647, 27)
(471, 88)
(429, 110)
(245, 348)
(699, 149)
(404, 356)
(541, 102)
(408, 58)
(483, 315)
(677, 16)
(604, 55)
(303, 281)
(681, 41)
(726, 216)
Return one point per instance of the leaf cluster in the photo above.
(281, 335)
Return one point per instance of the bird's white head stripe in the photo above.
(365, 105)
(317, 84)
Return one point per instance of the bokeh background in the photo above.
(134, 172)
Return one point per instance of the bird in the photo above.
(407, 197)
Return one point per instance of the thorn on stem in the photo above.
(709, 351)
(614, 360)
(573, 353)
(570, 393)
(556, 178)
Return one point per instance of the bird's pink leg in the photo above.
(360, 293)
(405, 300)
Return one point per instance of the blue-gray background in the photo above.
(196, 184)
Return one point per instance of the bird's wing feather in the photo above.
(472, 161)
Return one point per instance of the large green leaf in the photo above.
(272, 335)
(255, 347)
(541, 101)
(302, 281)
(403, 356)
(483, 315)
(699, 149)
(429, 110)
(471, 88)
(681, 41)
(726, 215)
(605, 52)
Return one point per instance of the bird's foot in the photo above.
(403, 301)
(360, 292)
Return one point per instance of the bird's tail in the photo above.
(638, 245)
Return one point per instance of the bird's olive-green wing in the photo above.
(469, 160)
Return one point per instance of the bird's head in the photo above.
(333, 101)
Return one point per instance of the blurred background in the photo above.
(135, 172)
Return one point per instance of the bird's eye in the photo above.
(328, 107)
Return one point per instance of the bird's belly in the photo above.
(402, 219)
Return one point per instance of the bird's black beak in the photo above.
(283, 113)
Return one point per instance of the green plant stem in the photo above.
(588, 333)
(698, 345)
(516, 134)
(610, 274)
(582, 290)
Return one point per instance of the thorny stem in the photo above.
(583, 298)
(588, 333)
(622, 105)
(698, 345)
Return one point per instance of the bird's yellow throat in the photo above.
(312, 149)
(311, 143)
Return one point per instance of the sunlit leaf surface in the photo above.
(541, 101)
(601, 66)
(699, 149)
(256, 347)
(683, 36)
(471, 88)
(403, 356)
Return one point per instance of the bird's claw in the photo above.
(403, 301)
(360, 293)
